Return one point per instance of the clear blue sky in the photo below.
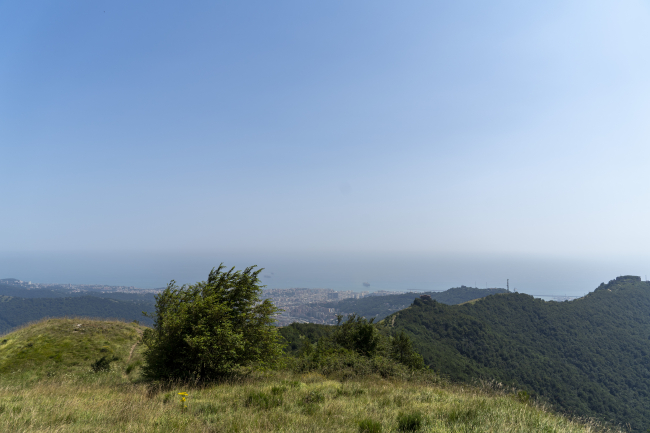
(502, 127)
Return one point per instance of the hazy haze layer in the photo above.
(325, 140)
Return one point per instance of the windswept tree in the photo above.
(206, 330)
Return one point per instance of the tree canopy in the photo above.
(207, 330)
(353, 347)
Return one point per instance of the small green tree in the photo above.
(206, 330)
(357, 334)
(402, 351)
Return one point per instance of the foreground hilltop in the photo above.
(16, 312)
(56, 347)
(589, 357)
(49, 386)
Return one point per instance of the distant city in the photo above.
(74, 288)
(300, 305)
(314, 305)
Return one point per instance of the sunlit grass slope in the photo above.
(56, 391)
(54, 347)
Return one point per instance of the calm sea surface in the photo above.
(539, 276)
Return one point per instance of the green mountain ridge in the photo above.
(15, 312)
(589, 357)
(63, 292)
(381, 306)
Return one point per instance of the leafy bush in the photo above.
(314, 397)
(263, 400)
(347, 392)
(278, 390)
(402, 351)
(357, 334)
(409, 421)
(102, 364)
(209, 329)
(369, 426)
(353, 348)
(168, 397)
(132, 366)
(523, 396)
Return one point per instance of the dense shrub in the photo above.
(369, 426)
(402, 351)
(356, 347)
(409, 422)
(263, 400)
(357, 334)
(314, 397)
(102, 364)
(209, 329)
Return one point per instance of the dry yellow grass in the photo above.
(108, 403)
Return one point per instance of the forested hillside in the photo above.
(15, 312)
(381, 306)
(63, 292)
(590, 357)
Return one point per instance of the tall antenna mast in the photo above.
(508, 284)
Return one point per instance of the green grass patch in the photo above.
(369, 426)
(55, 347)
(263, 400)
(74, 399)
(410, 422)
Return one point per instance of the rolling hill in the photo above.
(15, 312)
(56, 347)
(589, 357)
(381, 306)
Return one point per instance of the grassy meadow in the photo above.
(47, 385)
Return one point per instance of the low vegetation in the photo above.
(354, 348)
(48, 384)
(79, 400)
(79, 375)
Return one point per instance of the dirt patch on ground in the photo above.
(139, 340)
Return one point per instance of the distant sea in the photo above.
(394, 272)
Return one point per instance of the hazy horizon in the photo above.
(427, 144)
(530, 275)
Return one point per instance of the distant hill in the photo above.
(57, 346)
(14, 290)
(9, 281)
(376, 307)
(381, 306)
(590, 356)
(15, 312)
(18, 291)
